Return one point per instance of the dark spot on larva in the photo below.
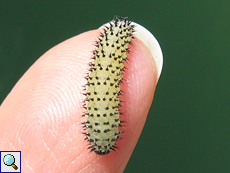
(116, 120)
(90, 126)
(113, 125)
(87, 134)
(106, 130)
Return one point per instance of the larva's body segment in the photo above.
(103, 86)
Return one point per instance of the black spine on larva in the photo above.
(102, 90)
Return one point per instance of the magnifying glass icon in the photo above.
(9, 160)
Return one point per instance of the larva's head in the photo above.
(147, 38)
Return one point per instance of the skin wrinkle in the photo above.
(50, 153)
(28, 166)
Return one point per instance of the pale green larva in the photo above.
(103, 86)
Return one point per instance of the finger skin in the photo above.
(42, 114)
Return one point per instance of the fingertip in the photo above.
(49, 99)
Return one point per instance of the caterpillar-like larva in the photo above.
(103, 86)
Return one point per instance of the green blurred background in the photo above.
(188, 126)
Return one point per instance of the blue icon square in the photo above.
(10, 161)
